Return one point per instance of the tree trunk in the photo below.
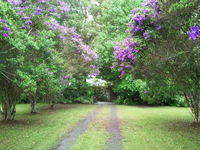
(193, 101)
(8, 111)
(52, 106)
(33, 106)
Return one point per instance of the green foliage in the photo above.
(27, 57)
(129, 90)
(26, 84)
(102, 23)
(173, 57)
(78, 91)
(154, 92)
(162, 92)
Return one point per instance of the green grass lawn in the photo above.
(158, 128)
(142, 128)
(40, 131)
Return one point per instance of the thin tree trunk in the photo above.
(193, 102)
(33, 106)
(52, 106)
(8, 111)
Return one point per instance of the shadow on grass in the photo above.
(47, 109)
(183, 127)
(20, 122)
(58, 107)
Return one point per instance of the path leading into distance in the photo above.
(113, 129)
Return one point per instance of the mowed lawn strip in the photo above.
(40, 131)
(158, 128)
(96, 136)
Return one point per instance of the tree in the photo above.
(159, 47)
(33, 49)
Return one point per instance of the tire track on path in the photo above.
(78, 130)
(115, 140)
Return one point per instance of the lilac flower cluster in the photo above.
(48, 11)
(69, 34)
(141, 27)
(6, 29)
(15, 2)
(140, 19)
(145, 92)
(64, 7)
(41, 7)
(126, 53)
(154, 5)
(194, 33)
(66, 77)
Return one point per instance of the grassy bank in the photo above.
(40, 131)
(158, 128)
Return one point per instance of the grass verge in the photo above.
(41, 131)
(158, 128)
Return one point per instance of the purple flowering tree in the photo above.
(169, 47)
(143, 27)
(35, 50)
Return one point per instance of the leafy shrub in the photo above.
(128, 90)
(79, 91)
(119, 101)
(180, 101)
(155, 92)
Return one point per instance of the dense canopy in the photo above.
(95, 70)
(146, 51)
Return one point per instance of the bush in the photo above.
(155, 92)
(79, 91)
(128, 90)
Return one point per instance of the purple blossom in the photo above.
(131, 44)
(146, 11)
(69, 34)
(158, 26)
(14, 2)
(145, 92)
(134, 10)
(38, 11)
(77, 36)
(120, 69)
(3, 21)
(24, 27)
(125, 52)
(29, 22)
(137, 29)
(138, 18)
(43, 1)
(27, 7)
(26, 18)
(64, 7)
(123, 73)
(66, 77)
(154, 5)
(92, 74)
(136, 51)
(194, 33)
(5, 34)
(20, 12)
(7, 28)
(146, 35)
(50, 10)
